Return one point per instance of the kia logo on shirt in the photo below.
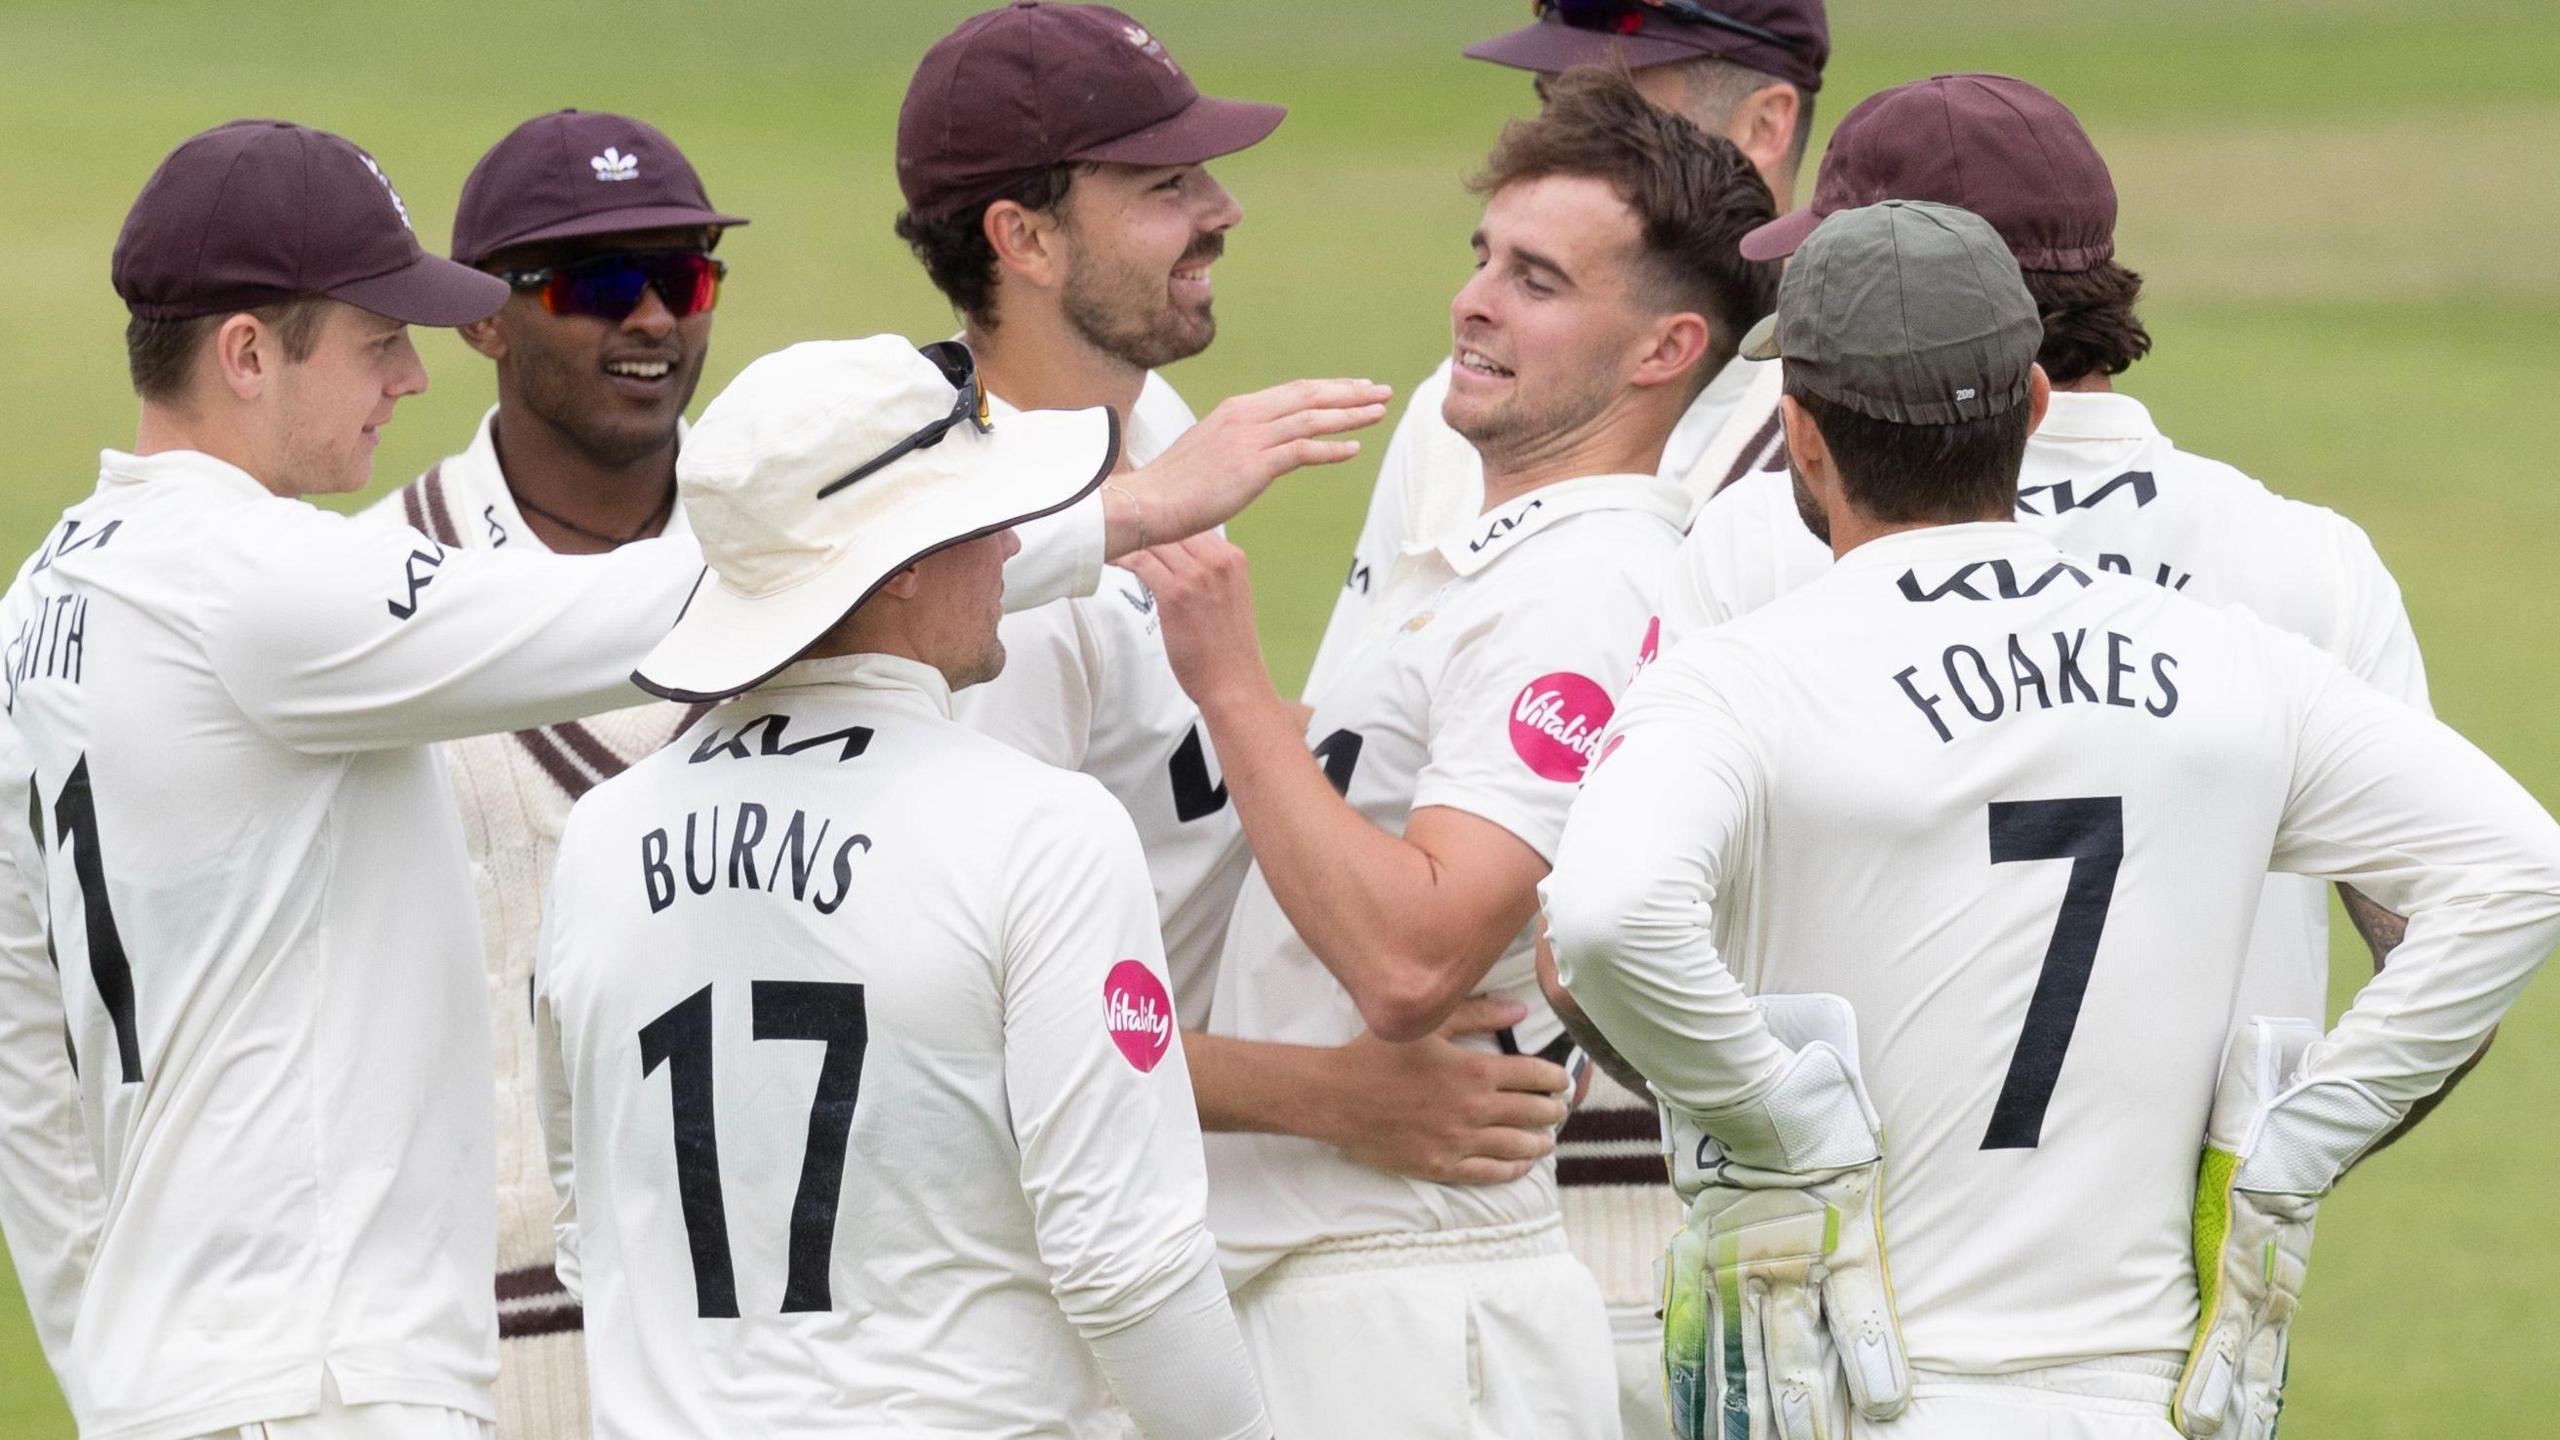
(1556, 722)
(1138, 1013)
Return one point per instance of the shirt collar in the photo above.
(1934, 544)
(1503, 528)
(2096, 415)
(477, 473)
(183, 467)
(1707, 415)
(891, 680)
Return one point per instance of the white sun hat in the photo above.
(825, 469)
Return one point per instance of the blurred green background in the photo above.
(2346, 210)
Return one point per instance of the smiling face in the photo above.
(1140, 245)
(613, 389)
(327, 410)
(1548, 332)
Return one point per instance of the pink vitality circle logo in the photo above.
(1138, 1013)
(1556, 722)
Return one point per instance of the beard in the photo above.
(1130, 315)
(1806, 509)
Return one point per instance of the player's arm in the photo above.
(337, 636)
(1408, 924)
(1432, 1108)
(1630, 905)
(50, 1195)
(1200, 482)
(2393, 803)
(1568, 1013)
(1103, 1113)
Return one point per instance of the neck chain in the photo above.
(655, 518)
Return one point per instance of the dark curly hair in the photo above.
(954, 248)
(2089, 324)
(1694, 195)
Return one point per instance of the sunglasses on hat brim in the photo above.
(609, 286)
(968, 404)
(1626, 17)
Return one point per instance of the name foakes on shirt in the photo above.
(2029, 669)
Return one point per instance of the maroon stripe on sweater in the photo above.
(414, 508)
(1618, 1123)
(1750, 452)
(590, 749)
(563, 771)
(439, 523)
(558, 1320)
(530, 1281)
(1611, 1170)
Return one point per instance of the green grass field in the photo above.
(2351, 290)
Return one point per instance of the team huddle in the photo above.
(843, 868)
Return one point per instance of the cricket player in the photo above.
(249, 872)
(1394, 868)
(604, 234)
(860, 1072)
(2099, 479)
(1985, 824)
(1747, 70)
(1076, 278)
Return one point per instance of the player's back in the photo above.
(790, 967)
(2017, 811)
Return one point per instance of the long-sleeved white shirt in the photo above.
(863, 1088)
(257, 894)
(2018, 810)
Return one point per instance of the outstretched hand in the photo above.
(1235, 452)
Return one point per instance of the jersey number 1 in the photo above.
(681, 1040)
(2088, 832)
(75, 815)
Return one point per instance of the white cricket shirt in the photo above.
(257, 891)
(1431, 483)
(2018, 811)
(1482, 685)
(2103, 483)
(1086, 687)
(862, 1078)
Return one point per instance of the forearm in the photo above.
(1607, 1056)
(1182, 1368)
(2382, 932)
(1258, 1087)
(1369, 904)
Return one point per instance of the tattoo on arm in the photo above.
(2382, 931)
(2380, 928)
(1597, 1046)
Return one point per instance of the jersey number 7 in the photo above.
(681, 1040)
(2089, 832)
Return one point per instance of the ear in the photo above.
(1029, 244)
(1763, 127)
(1679, 343)
(904, 585)
(1806, 447)
(246, 355)
(2039, 398)
(485, 336)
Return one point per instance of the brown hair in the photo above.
(954, 248)
(1693, 194)
(1909, 474)
(2089, 324)
(160, 355)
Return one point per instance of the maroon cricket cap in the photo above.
(261, 211)
(1015, 91)
(577, 172)
(1998, 147)
(1793, 43)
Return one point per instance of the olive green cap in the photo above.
(1906, 311)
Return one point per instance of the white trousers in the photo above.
(1642, 1411)
(1492, 1334)
(2103, 1400)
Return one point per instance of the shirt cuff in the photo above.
(1061, 556)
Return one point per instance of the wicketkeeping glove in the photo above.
(2272, 1149)
(1777, 1303)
